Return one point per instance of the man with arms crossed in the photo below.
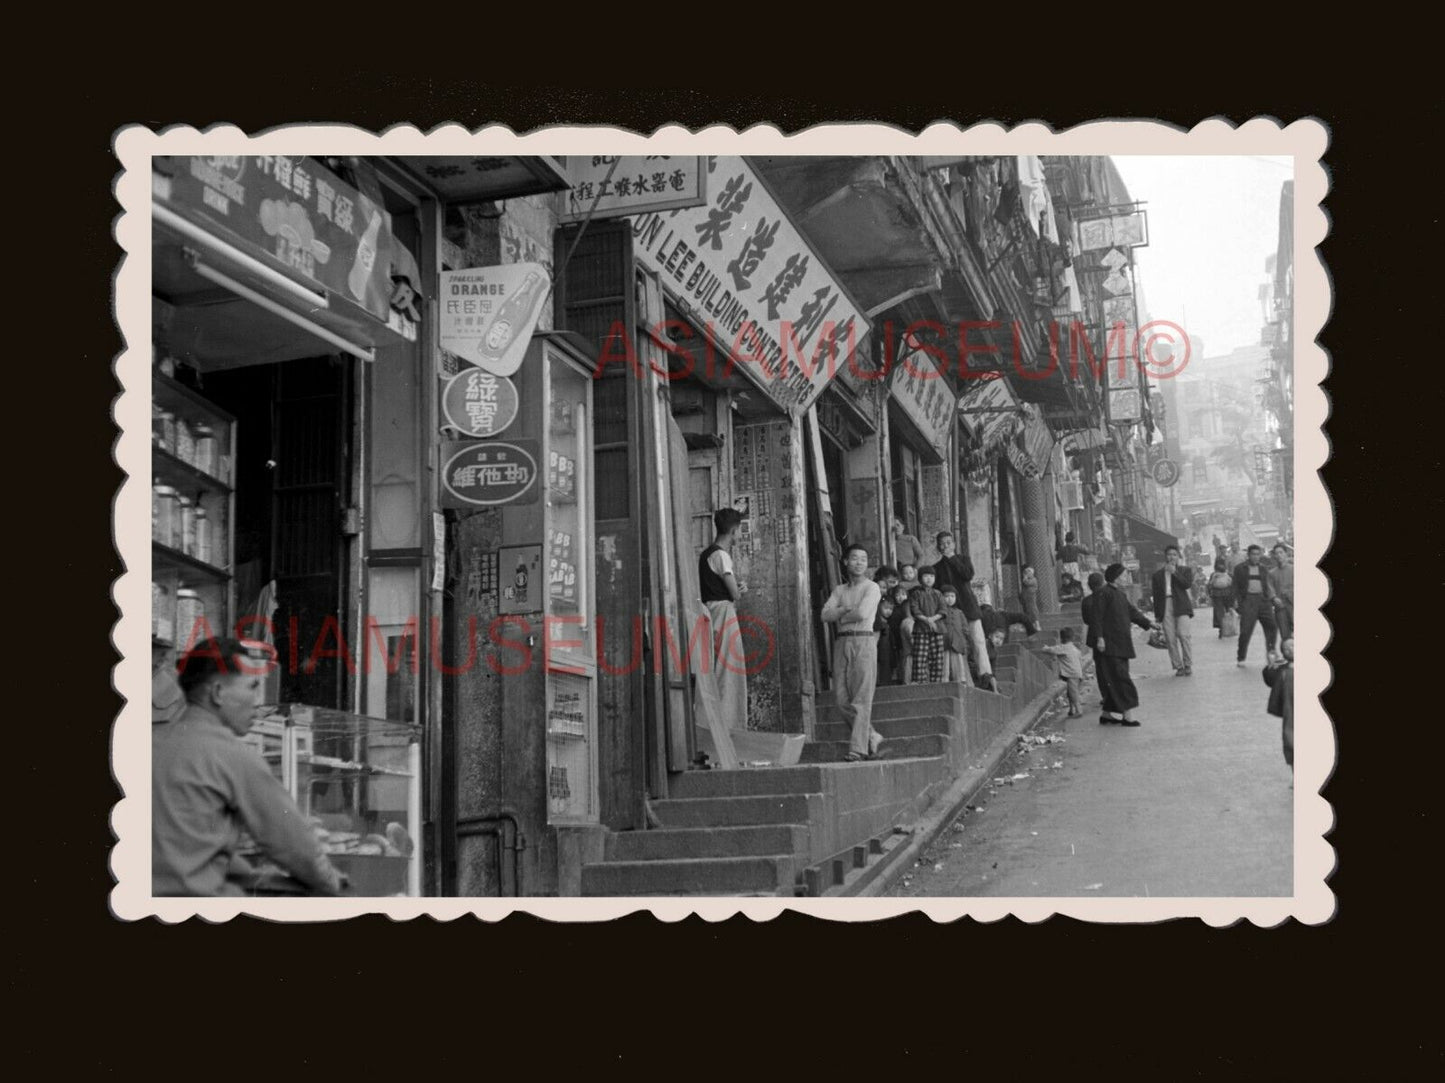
(852, 606)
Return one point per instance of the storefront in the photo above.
(921, 410)
(286, 300)
(295, 492)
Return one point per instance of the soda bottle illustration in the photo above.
(511, 318)
(365, 259)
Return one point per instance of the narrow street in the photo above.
(1196, 801)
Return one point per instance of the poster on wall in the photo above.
(521, 573)
(488, 314)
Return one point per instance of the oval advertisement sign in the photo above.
(479, 404)
(483, 475)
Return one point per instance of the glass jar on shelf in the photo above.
(185, 537)
(165, 509)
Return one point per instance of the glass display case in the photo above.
(355, 778)
(571, 698)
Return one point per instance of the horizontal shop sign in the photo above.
(743, 272)
(482, 474)
(293, 211)
(606, 186)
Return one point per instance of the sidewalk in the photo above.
(1197, 801)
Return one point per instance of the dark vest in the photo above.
(712, 586)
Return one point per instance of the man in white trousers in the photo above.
(852, 606)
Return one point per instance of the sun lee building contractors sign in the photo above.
(748, 277)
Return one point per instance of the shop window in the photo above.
(907, 489)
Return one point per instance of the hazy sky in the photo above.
(1212, 222)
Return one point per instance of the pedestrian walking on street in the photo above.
(1088, 609)
(925, 607)
(1174, 608)
(1071, 669)
(852, 606)
(1279, 676)
(720, 592)
(1113, 613)
(1221, 595)
(1255, 597)
(1281, 580)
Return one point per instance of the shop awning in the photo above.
(1147, 538)
(473, 178)
(290, 242)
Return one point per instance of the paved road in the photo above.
(1197, 801)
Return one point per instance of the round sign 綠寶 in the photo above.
(479, 404)
(1166, 472)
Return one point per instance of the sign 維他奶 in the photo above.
(488, 473)
(919, 387)
(295, 211)
(488, 313)
(476, 403)
(636, 185)
(755, 285)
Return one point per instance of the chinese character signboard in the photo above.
(989, 410)
(1166, 472)
(920, 389)
(1124, 404)
(1123, 230)
(483, 475)
(488, 313)
(623, 186)
(296, 212)
(741, 269)
(476, 403)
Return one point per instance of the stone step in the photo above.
(889, 727)
(738, 811)
(890, 693)
(747, 782)
(769, 875)
(674, 844)
(899, 748)
(920, 707)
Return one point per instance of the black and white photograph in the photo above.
(855, 521)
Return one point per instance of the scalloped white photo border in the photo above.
(1315, 749)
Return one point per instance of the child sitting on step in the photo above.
(1071, 669)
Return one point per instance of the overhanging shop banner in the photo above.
(292, 210)
(488, 313)
(740, 268)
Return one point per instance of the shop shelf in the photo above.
(191, 570)
(182, 475)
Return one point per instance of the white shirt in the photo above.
(864, 597)
(721, 562)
